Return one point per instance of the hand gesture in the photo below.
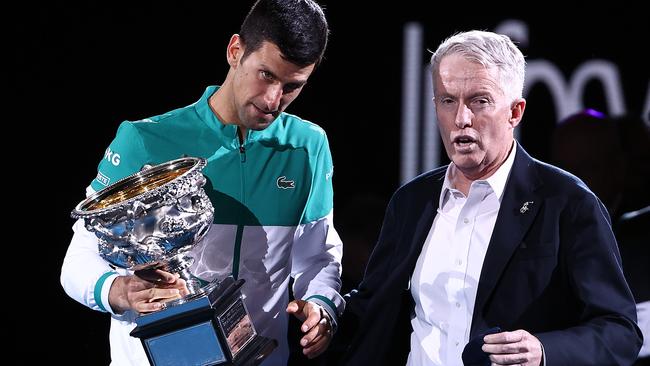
(513, 348)
(316, 326)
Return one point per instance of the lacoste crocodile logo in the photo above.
(285, 184)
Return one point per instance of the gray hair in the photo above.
(490, 50)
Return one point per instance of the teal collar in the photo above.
(227, 134)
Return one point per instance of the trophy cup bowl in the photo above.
(150, 220)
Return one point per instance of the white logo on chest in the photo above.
(112, 157)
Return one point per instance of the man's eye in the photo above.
(290, 87)
(266, 75)
(480, 104)
(481, 101)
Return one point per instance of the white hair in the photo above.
(491, 50)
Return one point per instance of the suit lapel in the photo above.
(423, 225)
(426, 219)
(519, 206)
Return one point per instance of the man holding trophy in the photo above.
(266, 173)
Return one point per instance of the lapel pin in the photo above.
(525, 208)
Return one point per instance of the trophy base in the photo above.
(211, 329)
(255, 352)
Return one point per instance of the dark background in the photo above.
(77, 70)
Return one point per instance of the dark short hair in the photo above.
(297, 27)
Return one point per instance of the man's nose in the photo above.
(464, 116)
(272, 97)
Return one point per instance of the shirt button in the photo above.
(457, 304)
(466, 220)
(459, 261)
(456, 343)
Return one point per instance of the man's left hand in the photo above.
(316, 326)
(513, 348)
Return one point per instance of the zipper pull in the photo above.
(242, 153)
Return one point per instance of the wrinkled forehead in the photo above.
(456, 71)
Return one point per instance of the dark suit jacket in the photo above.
(553, 270)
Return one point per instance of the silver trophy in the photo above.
(151, 220)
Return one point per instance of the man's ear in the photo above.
(517, 111)
(235, 51)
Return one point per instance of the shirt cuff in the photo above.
(102, 289)
(328, 306)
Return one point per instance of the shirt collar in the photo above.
(497, 181)
(226, 133)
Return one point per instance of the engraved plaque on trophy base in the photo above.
(211, 329)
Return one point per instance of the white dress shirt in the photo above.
(445, 279)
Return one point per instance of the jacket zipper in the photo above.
(240, 227)
(242, 153)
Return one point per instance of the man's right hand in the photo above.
(513, 348)
(146, 291)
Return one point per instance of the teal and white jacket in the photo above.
(273, 203)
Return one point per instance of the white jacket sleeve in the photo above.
(317, 248)
(316, 268)
(85, 276)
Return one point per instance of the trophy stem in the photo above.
(193, 285)
(180, 264)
